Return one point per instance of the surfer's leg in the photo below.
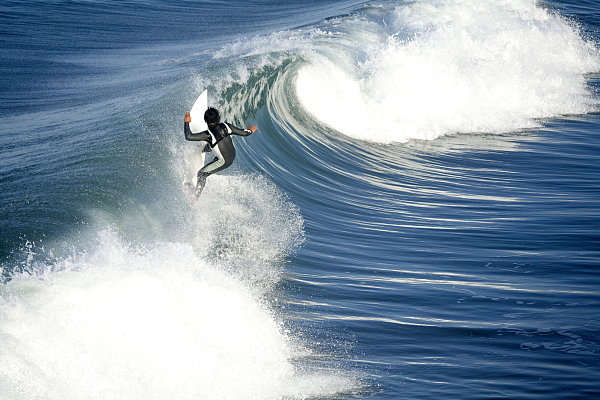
(224, 158)
(214, 166)
(210, 168)
(201, 182)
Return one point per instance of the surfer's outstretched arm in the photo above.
(241, 132)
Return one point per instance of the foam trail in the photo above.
(439, 67)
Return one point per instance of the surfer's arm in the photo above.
(189, 135)
(241, 132)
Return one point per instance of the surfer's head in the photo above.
(211, 116)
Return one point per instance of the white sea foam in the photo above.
(438, 67)
(152, 322)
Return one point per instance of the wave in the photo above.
(420, 70)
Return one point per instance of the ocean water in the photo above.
(417, 217)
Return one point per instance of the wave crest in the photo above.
(433, 68)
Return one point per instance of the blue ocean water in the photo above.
(417, 216)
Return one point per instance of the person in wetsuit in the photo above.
(218, 137)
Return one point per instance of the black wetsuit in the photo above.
(220, 141)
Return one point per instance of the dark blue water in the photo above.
(417, 216)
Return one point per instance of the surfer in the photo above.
(218, 137)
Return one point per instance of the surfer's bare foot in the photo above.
(188, 117)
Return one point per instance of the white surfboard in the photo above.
(197, 113)
(194, 157)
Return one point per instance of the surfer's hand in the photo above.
(252, 128)
(188, 117)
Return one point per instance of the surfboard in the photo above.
(194, 157)
(197, 113)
